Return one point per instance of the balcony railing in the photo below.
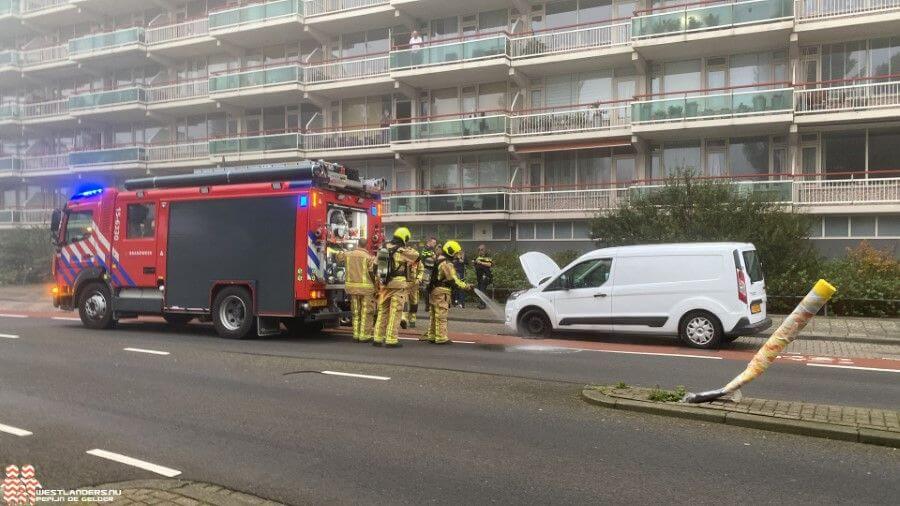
(9, 58)
(574, 38)
(256, 78)
(814, 10)
(701, 104)
(450, 203)
(9, 7)
(847, 191)
(349, 138)
(24, 217)
(702, 16)
(9, 164)
(568, 200)
(480, 124)
(254, 13)
(571, 119)
(111, 98)
(178, 31)
(29, 6)
(9, 112)
(107, 156)
(316, 7)
(43, 163)
(177, 152)
(350, 68)
(848, 95)
(45, 55)
(440, 52)
(263, 143)
(178, 91)
(47, 109)
(106, 41)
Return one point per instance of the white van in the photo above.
(703, 292)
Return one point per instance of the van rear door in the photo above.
(756, 284)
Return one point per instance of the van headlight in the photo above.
(515, 295)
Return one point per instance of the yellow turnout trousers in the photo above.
(390, 309)
(362, 310)
(440, 309)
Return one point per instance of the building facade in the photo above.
(503, 121)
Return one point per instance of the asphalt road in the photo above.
(462, 424)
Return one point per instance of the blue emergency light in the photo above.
(87, 193)
(374, 210)
(304, 200)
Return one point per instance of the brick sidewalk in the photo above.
(178, 492)
(874, 426)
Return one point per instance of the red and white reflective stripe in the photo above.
(100, 253)
(73, 251)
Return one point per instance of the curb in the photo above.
(770, 423)
(182, 492)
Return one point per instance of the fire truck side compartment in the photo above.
(250, 239)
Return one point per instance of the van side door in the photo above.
(583, 298)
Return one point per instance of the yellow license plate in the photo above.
(318, 303)
(755, 308)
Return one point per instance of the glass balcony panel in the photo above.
(708, 17)
(106, 98)
(255, 13)
(694, 18)
(9, 57)
(9, 112)
(114, 155)
(9, 7)
(106, 40)
(449, 53)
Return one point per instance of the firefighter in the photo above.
(443, 280)
(360, 288)
(396, 263)
(484, 266)
(408, 320)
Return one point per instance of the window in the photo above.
(589, 274)
(749, 156)
(836, 226)
(141, 221)
(889, 226)
(862, 226)
(79, 225)
(844, 152)
(753, 265)
(525, 231)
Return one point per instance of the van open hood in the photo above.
(538, 267)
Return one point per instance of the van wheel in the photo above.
(95, 306)
(535, 324)
(233, 313)
(700, 329)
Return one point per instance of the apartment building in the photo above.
(502, 121)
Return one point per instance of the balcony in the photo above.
(43, 165)
(836, 195)
(9, 165)
(743, 108)
(571, 123)
(45, 112)
(126, 103)
(53, 13)
(567, 49)
(452, 61)
(179, 40)
(118, 48)
(9, 113)
(344, 16)
(105, 158)
(848, 100)
(736, 26)
(47, 59)
(11, 218)
(453, 131)
(487, 204)
(280, 84)
(258, 24)
(257, 147)
(188, 96)
(343, 77)
(836, 20)
(190, 153)
(9, 16)
(321, 7)
(347, 141)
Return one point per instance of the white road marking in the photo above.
(7, 315)
(65, 318)
(684, 355)
(151, 352)
(15, 431)
(856, 367)
(9, 336)
(168, 472)
(464, 342)
(351, 375)
(408, 338)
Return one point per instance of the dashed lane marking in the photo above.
(7, 315)
(151, 352)
(15, 431)
(65, 318)
(681, 355)
(352, 375)
(9, 336)
(854, 367)
(168, 472)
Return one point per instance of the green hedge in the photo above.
(25, 255)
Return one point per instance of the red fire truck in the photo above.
(247, 248)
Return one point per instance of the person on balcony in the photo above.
(415, 44)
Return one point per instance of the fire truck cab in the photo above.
(248, 249)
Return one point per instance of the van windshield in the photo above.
(754, 268)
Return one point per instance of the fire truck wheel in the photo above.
(95, 307)
(233, 313)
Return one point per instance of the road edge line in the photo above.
(768, 423)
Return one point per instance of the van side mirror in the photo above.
(566, 282)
